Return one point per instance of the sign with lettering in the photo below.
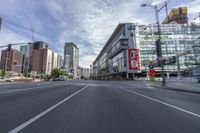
(134, 59)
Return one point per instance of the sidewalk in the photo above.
(192, 87)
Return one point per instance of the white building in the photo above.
(85, 72)
(54, 60)
(71, 58)
(49, 61)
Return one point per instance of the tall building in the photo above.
(11, 60)
(71, 58)
(42, 61)
(40, 58)
(23, 50)
(54, 60)
(59, 61)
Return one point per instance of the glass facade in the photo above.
(118, 62)
(176, 38)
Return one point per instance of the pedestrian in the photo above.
(33, 78)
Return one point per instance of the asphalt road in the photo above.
(97, 107)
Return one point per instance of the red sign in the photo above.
(152, 73)
(134, 59)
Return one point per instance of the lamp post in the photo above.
(158, 42)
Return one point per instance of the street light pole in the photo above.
(158, 42)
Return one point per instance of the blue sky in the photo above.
(88, 23)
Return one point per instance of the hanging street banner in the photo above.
(134, 59)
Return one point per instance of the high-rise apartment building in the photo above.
(42, 61)
(11, 60)
(71, 58)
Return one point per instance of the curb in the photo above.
(177, 89)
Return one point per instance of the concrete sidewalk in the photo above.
(192, 87)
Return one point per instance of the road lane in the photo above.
(17, 108)
(113, 110)
(35, 118)
(164, 103)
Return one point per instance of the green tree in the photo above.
(9, 74)
(64, 73)
(55, 73)
(1, 73)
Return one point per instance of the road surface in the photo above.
(97, 107)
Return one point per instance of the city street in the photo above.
(97, 107)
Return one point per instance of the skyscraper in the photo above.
(71, 58)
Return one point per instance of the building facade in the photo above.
(71, 58)
(11, 60)
(176, 38)
(85, 73)
(35, 58)
(113, 60)
(59, 61)
(54, 60)
(134, 44)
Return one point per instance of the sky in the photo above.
(87, 23)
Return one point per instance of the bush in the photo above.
(1, 73)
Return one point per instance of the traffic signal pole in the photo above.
(159, 54)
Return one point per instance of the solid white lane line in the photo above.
(32, 88)
(22, 126)
(167, 104)
(149, 86)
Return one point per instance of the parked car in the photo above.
(6, 80)
(58, 79)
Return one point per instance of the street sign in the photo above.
(166, 61)
(184, 53)
(169, 60)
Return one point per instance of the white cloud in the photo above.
(88, 23)
(9, 36)
(93, 21)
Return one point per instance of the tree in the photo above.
(9, 74)
(1, 73)
(55, 73)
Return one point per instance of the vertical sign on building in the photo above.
(134, 59)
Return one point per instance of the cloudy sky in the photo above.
(87, 23)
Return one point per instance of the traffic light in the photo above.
(9, 47)
(158, 48)
(158, 51)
